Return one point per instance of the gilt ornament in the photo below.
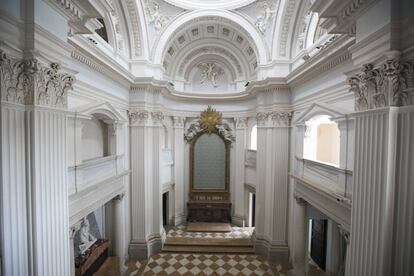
(209, 119)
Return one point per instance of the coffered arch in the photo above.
(243, 67)
(222, 18)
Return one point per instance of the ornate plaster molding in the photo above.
(344, 233)
(82, 16)
(145, 118)
(263, 21)
(389, 84)
(273, 119)
(30, 83)
(157, 117)
(299, 199)
(133, 15)
(210, 50)
(139, 117)
(241, 123)
(290, 8)
(119, 197)
(178, 122)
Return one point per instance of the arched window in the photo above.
(253, 138)
(321, 142)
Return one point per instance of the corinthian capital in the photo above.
(386, 85)
(29, 82)
(138, 117)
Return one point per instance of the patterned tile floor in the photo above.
(236, 233)
(206, 264)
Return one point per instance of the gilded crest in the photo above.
(209, 119)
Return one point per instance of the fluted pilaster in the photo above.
(39, 92)
(146, 213)
(179, 216)
(272, 184)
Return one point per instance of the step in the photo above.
(203, 242)
(207, 249)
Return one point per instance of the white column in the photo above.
(272, 185)
(299, 243)
(239, 217)
(146, 213)
(119, 228)
(179, 194)
(344, 265)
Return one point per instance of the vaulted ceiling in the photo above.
(242, 40)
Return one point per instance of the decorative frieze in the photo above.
(274, 119)
(28, 82)
(386, 85)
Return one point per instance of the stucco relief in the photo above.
(386, 85)
(29, 82)
(210, 72)
(264, 20)
(156, 16)
(210, 50)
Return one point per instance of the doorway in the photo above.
(165, 209)
(252, 209)
(318, 242)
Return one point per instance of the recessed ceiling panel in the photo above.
(209, 4)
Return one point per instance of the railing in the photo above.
(326, 176)
(94, 171)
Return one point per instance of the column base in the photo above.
(180, 219)
(236, 220)
(275, 254)
(143, 250)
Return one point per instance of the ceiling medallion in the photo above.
(209, 119)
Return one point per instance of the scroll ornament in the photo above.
(388, 85)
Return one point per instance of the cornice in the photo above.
(329, 57)
(101, 62)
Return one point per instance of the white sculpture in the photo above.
(263, 20)
(210, 73)
(86, 238)
(156, 18)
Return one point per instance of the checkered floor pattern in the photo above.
(236, 233)
(206, 264)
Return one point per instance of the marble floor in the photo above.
(204, 264)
